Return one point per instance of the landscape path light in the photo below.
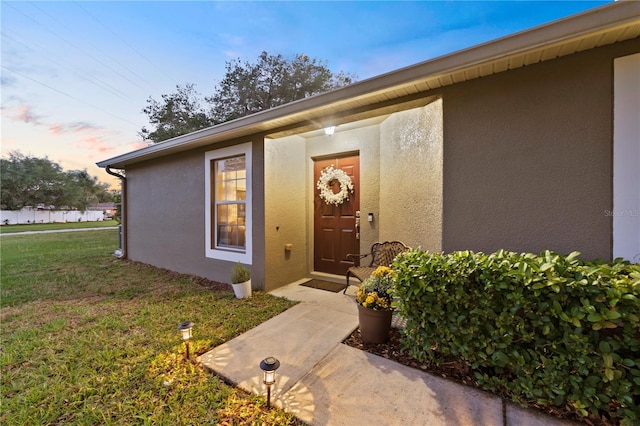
(269, 366)
(185, 331)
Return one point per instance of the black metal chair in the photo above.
(382, 254)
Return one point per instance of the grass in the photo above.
(12, 229)
(89, 339)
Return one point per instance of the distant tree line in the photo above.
(246, 88)
(31, 181)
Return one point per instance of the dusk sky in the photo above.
(76, 75)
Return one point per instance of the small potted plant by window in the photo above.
(374, 305)
(241, 281)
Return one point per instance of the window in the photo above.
(228, 203)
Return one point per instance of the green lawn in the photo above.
(89, 339)
(10, 229)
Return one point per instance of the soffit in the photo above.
(483, 61)
(402, 89)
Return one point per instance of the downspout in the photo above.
(121, 253)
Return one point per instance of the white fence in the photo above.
(10, 217)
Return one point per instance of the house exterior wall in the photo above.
(520, 160)
(411, 177)
(528, 157)
(165, 215)
(400, 183)
(285, 215)
(258, 267)
(289, 192)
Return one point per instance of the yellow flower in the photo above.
(381, 271)
(374, 292)
(370, 300)
(383, 303)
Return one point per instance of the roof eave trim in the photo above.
(572, 27)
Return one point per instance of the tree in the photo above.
(83, 190)
(31, 181)
(117, 199)
(246, 88)
(178, 113)
(272, 81)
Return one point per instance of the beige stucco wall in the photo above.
(411, 177)
(400, 183)
(285, 211)
(289, 191)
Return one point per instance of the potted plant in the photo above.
(241, 281)
(374, 305)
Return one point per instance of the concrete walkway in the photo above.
(324, 382)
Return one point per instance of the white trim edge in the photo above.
(626, 158)
(232, 256)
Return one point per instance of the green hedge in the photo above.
(551, 329)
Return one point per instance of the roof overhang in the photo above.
(404, 88)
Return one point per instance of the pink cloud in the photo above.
(85, 136)
(95, 143)
(23, 113)
(56, 130)
(100, 142)
(76, 127)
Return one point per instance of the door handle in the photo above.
(358, 225)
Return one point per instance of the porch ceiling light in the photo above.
(329, 130)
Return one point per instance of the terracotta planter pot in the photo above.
(374, 325)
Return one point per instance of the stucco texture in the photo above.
(520, 160)
(285, 211)
(528, 158)
(165, 216)
(411, 177)
(289, 192)
(400, 183)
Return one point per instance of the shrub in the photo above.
(240, 274)
(550, 329)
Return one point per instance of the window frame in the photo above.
(211, 251)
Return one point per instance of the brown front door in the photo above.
(334, 227)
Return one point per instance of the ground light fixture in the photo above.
(269, 366)
(185, 331)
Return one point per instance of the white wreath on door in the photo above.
(329, 175)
